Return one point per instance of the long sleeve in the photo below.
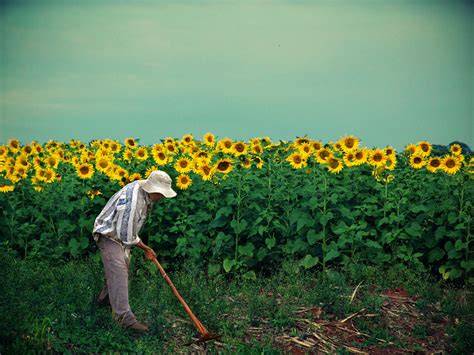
(127, 213)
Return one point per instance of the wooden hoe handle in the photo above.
(196, 321)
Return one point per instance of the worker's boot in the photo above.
(139, 327)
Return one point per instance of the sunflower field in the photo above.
(250, 205)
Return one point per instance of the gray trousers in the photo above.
(116, 273)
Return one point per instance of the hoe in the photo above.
(205, 335)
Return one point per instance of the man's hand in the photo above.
(150, 254)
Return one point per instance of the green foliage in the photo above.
(257, 218)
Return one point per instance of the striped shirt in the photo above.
(124, 215)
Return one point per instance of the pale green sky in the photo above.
(389, 72)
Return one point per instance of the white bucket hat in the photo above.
(158, 181)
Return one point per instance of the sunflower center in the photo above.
(349, 143)
(297, 159)
(450, 163)
(223, 165)
(377, 157)
(183, 163)
(417, 160)
(435, 163)
(239, 147)
(84, 170)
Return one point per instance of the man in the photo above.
(116, 232)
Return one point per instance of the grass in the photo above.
(47, 307)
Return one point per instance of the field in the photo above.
(290, 246)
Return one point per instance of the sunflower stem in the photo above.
(324, 226)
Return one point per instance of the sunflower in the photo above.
(390, 151)
(455, 149)
(323, 155)
(209, 139)
(206, 172)
(85, 171)
(187, 139)
(127, 155)
(225, 145)
(246, 162)
(38, 188)
(3, 151)
(169, 140)
(410, 149)
(183, 165)
(52, 161)
(160, 158)
(49, 176)
(256, 148)
(258, 162)
(102, 164)
(93, 193)
(299, 141)
(239, 148)
(334, 165)
(21, 171)
(14, 145)
(349, 159)
(6, 188)
(130, 143)
(296, 160)
(27, 149)
(141, 153)
(23, 161)
(134, 177)
(450, 165)
(349, 143)
(224, 166)
(391, 162)
(424, 148)
(434, 164)
(157, 148)
(171, 148)
(183, 181)
(376, 157)
(360, 156)
(417, 161)
(305, 149)
(115, 147)
(316, 146)
(150, 170)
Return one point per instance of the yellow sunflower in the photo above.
(349, 143)
(376, 157)
(417, 161)
(450, 165)
(130, 143)
(6, 188)
(102, 164)
(305, 149)
(318, 145)
(360, 156)
(14, 145)
(391, 162)
(160, 158)
(334, 165)
(225, 145)
(424, 148)
(141, 153)
(296, 160)
(3, 151)
(301, 140)
(258, 162)
(134, 177)
(183, 181)
(256, 148)
(187, 139)
(349, 159)
(27, 149)
(223, 166)
(127, 155)
(434, 164)
(49, 176)
(52, 161)
(149, 170)
(206, 172)
(171, 148)
(183, 165)
(209, 139)
(85, 171)
(455, 149)
(246, 163)
(239, 148)
(410, 149)
(323, 155)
